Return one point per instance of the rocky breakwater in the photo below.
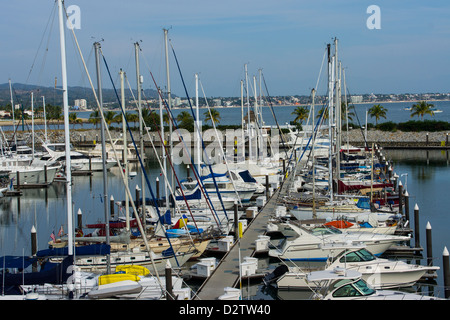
(398, 139)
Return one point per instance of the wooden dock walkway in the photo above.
(226, 273)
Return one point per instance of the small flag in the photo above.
(53, 236)
(61, 231)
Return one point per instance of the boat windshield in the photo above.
(319, 231)
(354, 289)
(357, 256)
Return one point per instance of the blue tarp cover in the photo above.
(93, 249)
(363, 203)
(17, 262)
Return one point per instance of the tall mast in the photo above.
(169, 100)
(12, 107)
(242, 120)
(125, 148)
(163, 150)
(330, 120)
(258, 138)
(139, 81)
(198, 126)
(102, 133)
(32, 123)
(66, 131)
(45, 119)
(313, 93)
(248, 117)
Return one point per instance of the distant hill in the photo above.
(22, 94)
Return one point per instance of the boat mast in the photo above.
(32, 125)
(125, 148)
(330, 122)
(45, 119)
(242, 121)
(197, 127)
(163, 149)
(169, 100)
(248, 117)
(139, 81)
(337, 113)
(12, 107)
(102, 133)
(258, 138)
(313, 93)
(66, 131)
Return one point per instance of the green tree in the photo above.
(132, 117)
(109, 117)
(350, 111)
(212, 115)
(301, 113)
(377, 112)
(94, 118)
(185, 120)
(422, 108)
(73, 119)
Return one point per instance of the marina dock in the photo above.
(227, 272)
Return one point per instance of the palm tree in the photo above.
(345, 108)
(109, 117)
(166, 118)
(212, 115)
(422, 108)
(132, 117)
(185, 120)
(94, 118)
(301, 113)
(377, 112)
(73, 119)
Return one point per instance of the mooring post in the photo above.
(34, 246)
(157, 189)
(416, 226)
(168, 276)
(236, 221)
(137, 196)
(445, 263)
(406, 197)
(111, 207)
(80, 219)
(429, 245)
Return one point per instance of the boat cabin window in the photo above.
(354, 289)
(357, 256)
(319, 231)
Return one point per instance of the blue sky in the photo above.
(286, 38)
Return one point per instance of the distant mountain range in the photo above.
(22, 94)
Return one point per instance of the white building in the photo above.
(80, 104)
(356, 99)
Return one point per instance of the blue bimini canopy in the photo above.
(246, 176)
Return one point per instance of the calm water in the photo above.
(425, 174)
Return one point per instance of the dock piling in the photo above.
(416, 226)
(429, 245)
(445, 263)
